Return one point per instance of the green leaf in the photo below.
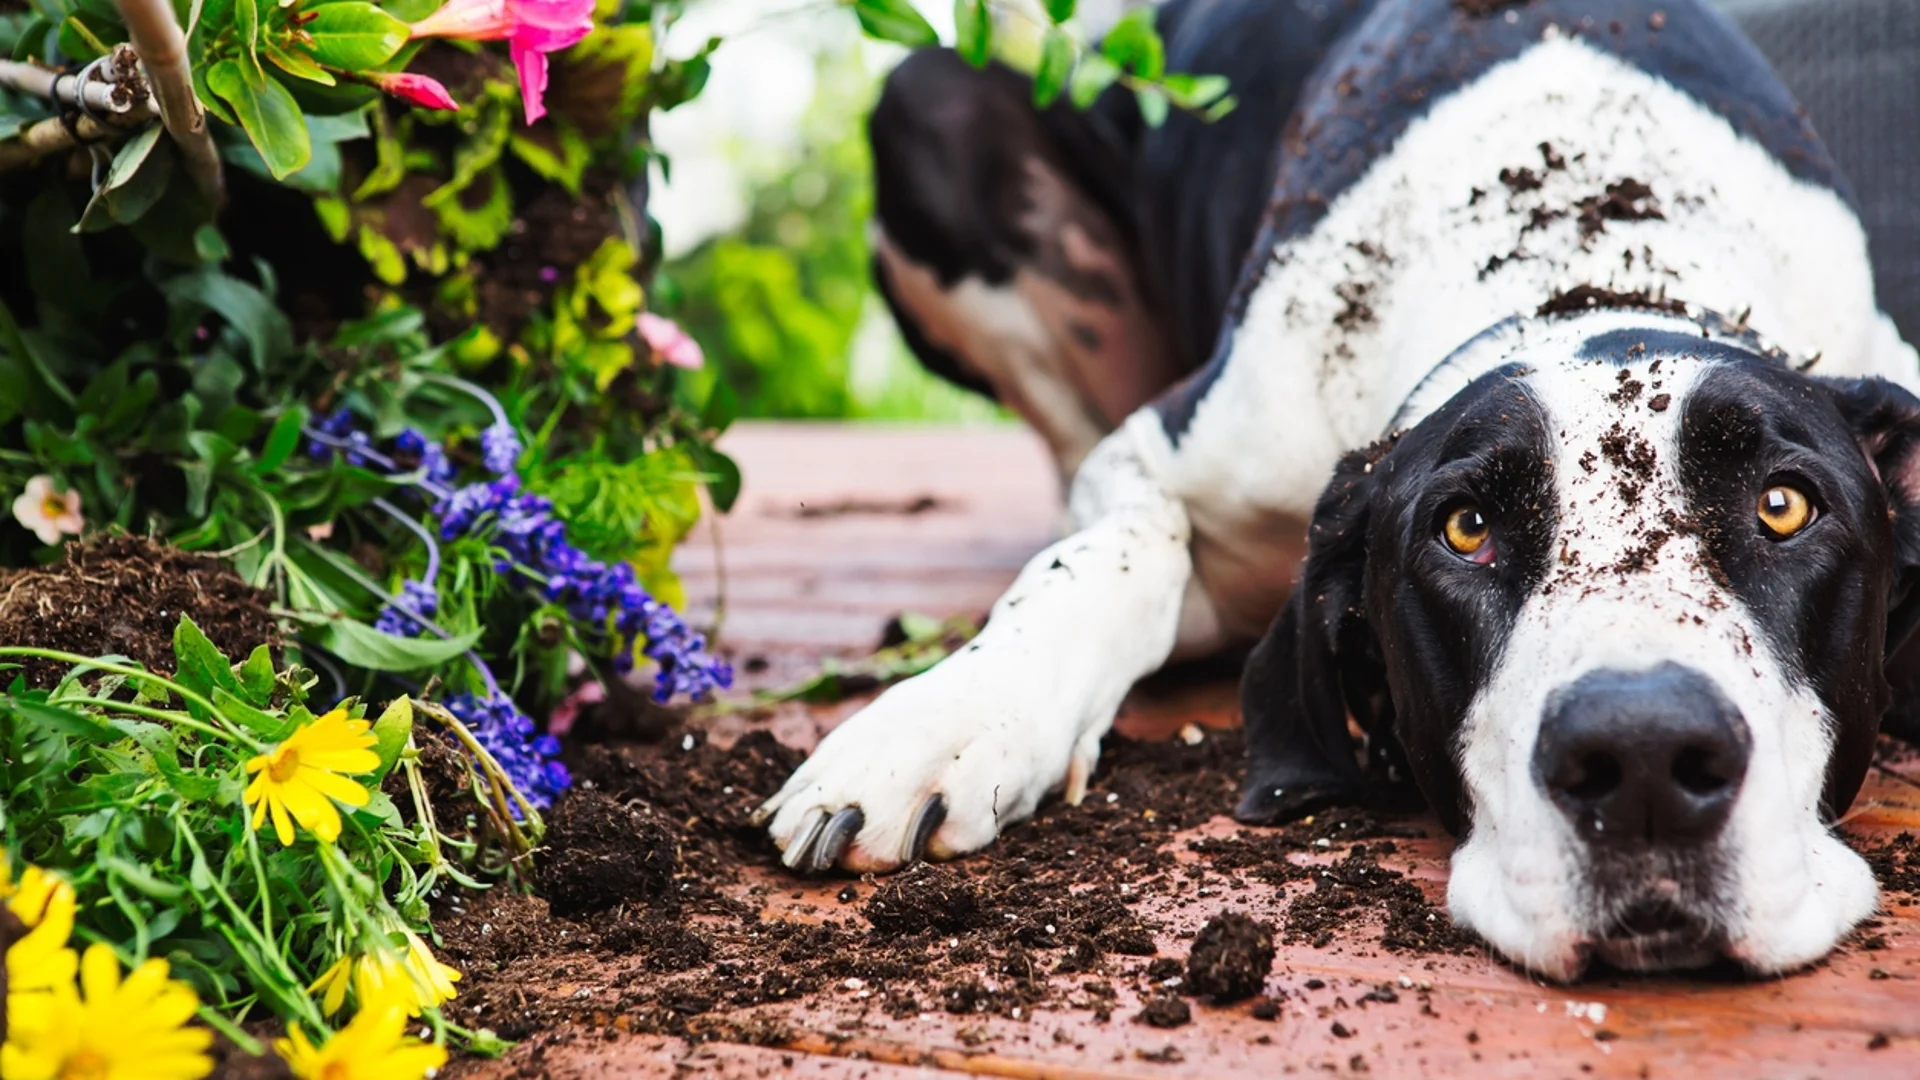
(246, 24)
(1134, 44)
(972, 31)
(894, 20)
(1153, 106)
(1091, 78)
(391, 732)
(134, 182)
(268, 114)
(1059, 10)
(354, 36)
(265, 327)
(264, 724)
(1056, 64)
(256, 677)
(297, 63)
(53, 718)
(362, 646)
(142, 879)
(564, 164)
(210, 245)
(198, 665)
(281, 442)
(1194, 91)
(722, 475)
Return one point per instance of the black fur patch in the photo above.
(1820, 597)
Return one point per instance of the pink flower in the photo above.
(419, 89)
(669, 343)
(49, 514)
(532, 29)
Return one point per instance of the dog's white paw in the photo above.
(936, 766)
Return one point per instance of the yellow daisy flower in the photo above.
(110, 1029)
(429, 972)
(415, 978)
(40, 960)
(374, 1047)
(302, 778)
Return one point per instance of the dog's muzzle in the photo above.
(1646, 766)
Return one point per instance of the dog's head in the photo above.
(1620, 607)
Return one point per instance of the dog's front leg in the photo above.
(940, 763)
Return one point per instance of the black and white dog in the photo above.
(1568, 300)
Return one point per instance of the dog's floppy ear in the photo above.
(1886, 420)
(1318, 662)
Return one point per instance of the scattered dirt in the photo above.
(125, 595)
(1166, 1011)
(913, 507)
(1590, 297)
(1624, 200)
(1053, 917)
(1230, 958)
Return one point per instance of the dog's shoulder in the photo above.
(1408, 55)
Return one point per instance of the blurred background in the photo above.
(764, 190)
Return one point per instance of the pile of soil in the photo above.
(125, 595)
(1230, 958)
(652, 922)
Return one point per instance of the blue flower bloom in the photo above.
(416, 598)
(499, 448)
(499, 726)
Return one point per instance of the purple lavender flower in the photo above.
(498, 725)
(535, 552)
(500, 447)
(337, 424)
(416, 598)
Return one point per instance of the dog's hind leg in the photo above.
(1002, 245)
(939, 764)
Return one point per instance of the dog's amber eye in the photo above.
(1784, 511)
(1467, 532)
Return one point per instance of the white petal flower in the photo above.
(47, 513)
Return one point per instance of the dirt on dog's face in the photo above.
(1622, 615)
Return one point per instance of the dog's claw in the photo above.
(803, 839)
(835, 839)
(926, 821)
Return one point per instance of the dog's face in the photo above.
(1621, 609)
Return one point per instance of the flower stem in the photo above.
(433, 549)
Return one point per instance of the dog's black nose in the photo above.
(1643, 758)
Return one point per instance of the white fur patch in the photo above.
(1631, 588)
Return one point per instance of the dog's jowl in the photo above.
(1546, 333)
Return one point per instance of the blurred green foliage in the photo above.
(784, 305)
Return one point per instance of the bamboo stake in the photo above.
(66, 88)
(52, 136)
(163, 50)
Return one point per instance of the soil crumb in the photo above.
(1166, 1011)
(600, 853)
(1230, 958)
(125, 595)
